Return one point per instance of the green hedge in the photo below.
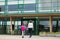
(49, 32)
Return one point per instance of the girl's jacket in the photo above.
(23, 27)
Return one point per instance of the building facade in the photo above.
(45, 15)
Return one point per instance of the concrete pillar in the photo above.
(11, 25)
(50, 22)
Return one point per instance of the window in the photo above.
(2, 6)
(13, 8)
(49, 5)
(29, 7)
(29, 1)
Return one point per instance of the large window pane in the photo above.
(45, 5)
(2, 7)
(54, 6)
(2, 3)
(12, 7)
(58, 6)
(8, 23)
(20, 1)
(12, 2)
(29, 1)
(44, 1)
(43, 25)
(51, 5)
(53, 1)
(28, 7)
(2, 0)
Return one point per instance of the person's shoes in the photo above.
(29, 37)
(22, 36)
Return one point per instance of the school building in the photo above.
(45, 15)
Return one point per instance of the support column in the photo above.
(50, 19)
(6, 6)
(11, 25)
(37, 23)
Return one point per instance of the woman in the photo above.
(30, 28)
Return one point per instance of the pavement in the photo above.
(26, 37)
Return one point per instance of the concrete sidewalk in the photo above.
(18, 37)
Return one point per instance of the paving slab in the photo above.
(26, 37)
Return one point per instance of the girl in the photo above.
(23, 28)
